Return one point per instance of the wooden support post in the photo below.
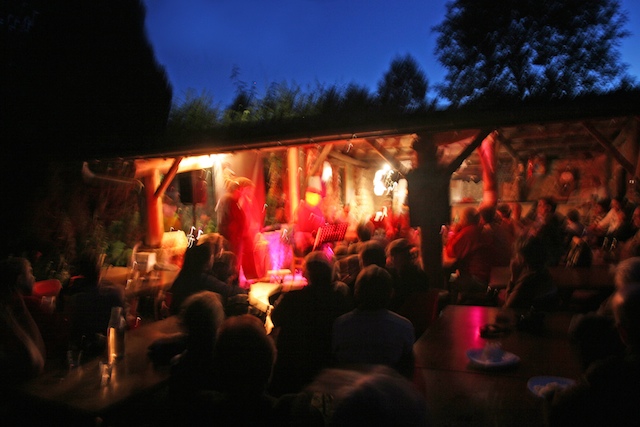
(155, 223)
(294, 185)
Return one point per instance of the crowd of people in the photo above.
(487, 237)
(349, 322)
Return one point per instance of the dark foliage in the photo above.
(80, 77)
(518, 49)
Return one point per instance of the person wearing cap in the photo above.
(408, 276)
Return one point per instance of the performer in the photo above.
(233, 223)
(309, 218)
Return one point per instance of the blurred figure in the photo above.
(303, 323)
(609, 393)
(463, 254)
(578, 252)
(195, 276)
(373, 252)
(503, 216)
(378, 396)
(407, 277)
(612, 224)
(631, 248)
(89, 304)
(22, 351)
(226, 269)
(595, 332)
(530, 283)
(364, 233)
(478, 245)
(309, 218)
(573, 224)
(371, 334)
(201, 315)
(243, 360)
(547, 225)
(232, 220)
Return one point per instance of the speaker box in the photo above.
(193, 187)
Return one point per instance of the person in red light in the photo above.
(476, 247)
(232, 219)
(309, 218)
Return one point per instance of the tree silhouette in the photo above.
(518, 49)
(79, 81)
(81, 77)
(403, 88)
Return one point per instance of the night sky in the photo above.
(303, 42)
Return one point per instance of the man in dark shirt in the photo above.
(303, 323)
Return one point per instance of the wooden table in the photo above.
(78, 393)
(458, 393)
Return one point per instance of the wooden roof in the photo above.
(563, 129)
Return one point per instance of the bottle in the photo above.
(115, 335)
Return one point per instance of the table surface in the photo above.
(80, 389)
(459, 393)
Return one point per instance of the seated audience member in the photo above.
(346, 265)
(503, 216)
(243, 360)
(577, 250)
(89, 304)
(631, 248)
(52, 323)
(547, 225)
(370, 334)
(595, 332)
(225, 268)
(22, 350)
(364, 232)
(201, 315)
(612, 225)
(530, 283)
(573, 225)
(377, 396)
(195, 277)
(501, 241)
(407, 277)
(579, 253)
(303, 322)
(468, 250)
(609, 393)
(373, 252)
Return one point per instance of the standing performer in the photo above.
(233, 223)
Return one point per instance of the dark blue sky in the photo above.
(306, 42)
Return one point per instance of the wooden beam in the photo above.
(508, 148)
(395, 163)
(349, 160)
(166, 181)
(626, 164)
(320, 160)
(480, 136)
